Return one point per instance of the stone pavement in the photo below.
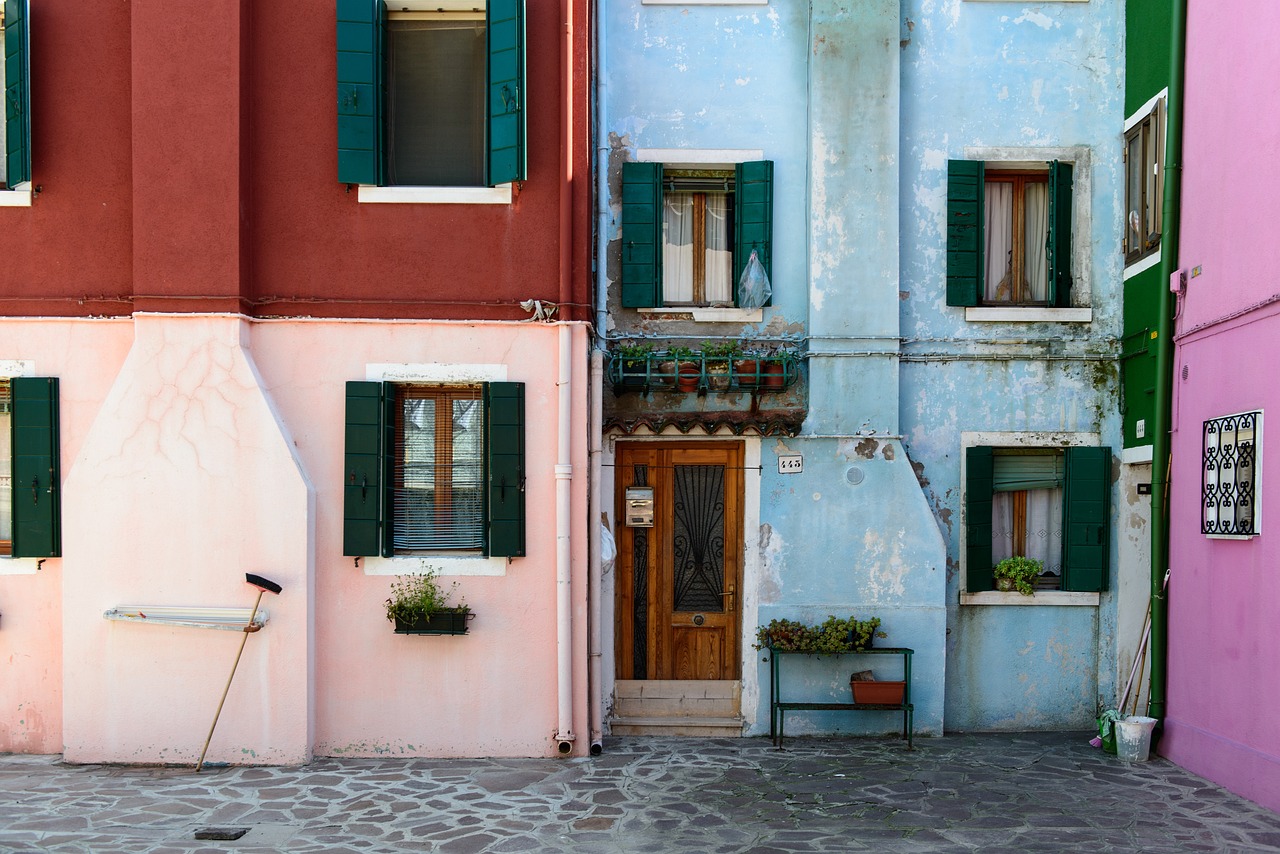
(998, 793)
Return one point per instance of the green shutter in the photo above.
(978, 488)
(966, 203)
(506, 133)
(504, 468)
(641, 235)
(1058, 250)
(360, 91)
(17, 100)
(1086, 540)
(753, 219)
(362, 478)
(37, 481)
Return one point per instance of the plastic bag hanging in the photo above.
(753, 288)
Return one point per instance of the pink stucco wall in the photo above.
(1224, 642)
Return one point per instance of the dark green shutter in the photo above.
(360, 34)
(753, 219)
(363, 470)
(1086, 540)
(37, 480)
(504, 468)
(506, 155)
(978, 488)
(17, 92)
(966, 217)
(1058, 250)
(641, 235)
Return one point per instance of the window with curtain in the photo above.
(1026, 509)
(1144, 186)
(1016, 233)
(6, 476)
(697, 237)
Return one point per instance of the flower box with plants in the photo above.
(1018, 573)
(832, 636)
(418, 606)
(629, 365)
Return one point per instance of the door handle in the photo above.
(728, 605)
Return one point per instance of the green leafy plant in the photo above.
(417, 597)
(679, 354)
(1022, 571)
(721, 350)
(634, 352)
(833, 635)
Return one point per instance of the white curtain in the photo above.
(999, 248)
(719, 269)
(1036, 198)
(1042, 538)
(677, 248)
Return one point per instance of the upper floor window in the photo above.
(14, 76)
(30, 475)
(1143, 185)
(1232, 467)
(431, 93)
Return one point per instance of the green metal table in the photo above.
(778, 707)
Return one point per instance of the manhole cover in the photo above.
(221, 833)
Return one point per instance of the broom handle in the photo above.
(225, 690)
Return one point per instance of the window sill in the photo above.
(18, 565)
(1043, 597)
(18, 197)
(499, 195)
(444, 565)
(712, 315)
(986, 314)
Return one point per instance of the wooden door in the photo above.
(679, 582)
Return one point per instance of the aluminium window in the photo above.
(687, 233)
(1008, 234)
(1144, 185)
(434, 469)
(1051, 504)
(1231, 471)
(30, 476)
(431, 93)
(17, 92)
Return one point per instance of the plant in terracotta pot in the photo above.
(1018, 573)
(773, 369)
(746, 367)
(419, 606)
(717, 355)
(688, 371)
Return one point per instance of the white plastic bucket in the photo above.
(1133, 738)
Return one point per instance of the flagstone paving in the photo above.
(997, 793)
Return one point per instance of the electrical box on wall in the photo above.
(639, 509)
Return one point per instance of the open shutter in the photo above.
(506, 134)
(1086, 541)
(978, 488)
(966, 215)
(641, 235)
(753, 219)
(360, 29)
(363, 470)
(1058, 250)
(17, 100)
(504, 467)
(37, 479)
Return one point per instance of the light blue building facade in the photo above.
(854, 490)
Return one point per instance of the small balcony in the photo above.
(683, 371)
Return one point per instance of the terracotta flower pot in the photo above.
(747, 372)
(774, 375)
(687, 376)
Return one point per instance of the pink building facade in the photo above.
(1224, 638)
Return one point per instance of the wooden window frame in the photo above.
(1019, 179)
(6, 405)
(699, 259)
(1150, 213)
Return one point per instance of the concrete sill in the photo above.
(1044, 597)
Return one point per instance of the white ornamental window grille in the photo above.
(1232, 464)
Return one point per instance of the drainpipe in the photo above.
(566, 156)
(595, 698)
(564, 574)
(1164, 362)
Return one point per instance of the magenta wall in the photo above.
(1224, 637)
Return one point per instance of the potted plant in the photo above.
(418, 606)
(634, 364)
(688, 372)
(746, 368)
(1018, 573)
(717, 355)
(834, 635)
(774, 369)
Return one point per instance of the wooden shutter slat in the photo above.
(978, 487)
(753, 219)
(1058, 249)
(363, 470)
(966, 217)
(37, 476)
(507, 155)
(17, 111)
(1086, 529)
(641, 235)
(359, 43)
(505, 468)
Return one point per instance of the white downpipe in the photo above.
(564, 574)
(595, 700)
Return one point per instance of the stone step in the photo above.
(677, 698)
(728, 726)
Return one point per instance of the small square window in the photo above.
(1231, 468)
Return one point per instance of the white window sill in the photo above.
(984, 314)
(1229, 536)
(1043, 597)
(499, 195)
(712, 315)
(443, 565)
(18, 197)
(19, 565)
(1136, 455)
(704, 2)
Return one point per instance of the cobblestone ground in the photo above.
(997, 793)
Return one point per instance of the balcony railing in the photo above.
(699, 373)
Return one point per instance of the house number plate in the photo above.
(790, 463)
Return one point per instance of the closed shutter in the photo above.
(37, 479)
(363, 470)
(753, 219)
(506, 78)
(1086, 540)
(1058, 250)
(641, 235)
(17, 106)
(966, 215)
(504, 465)
(360, 33)
(978, 488)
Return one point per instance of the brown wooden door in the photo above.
(679, 582)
